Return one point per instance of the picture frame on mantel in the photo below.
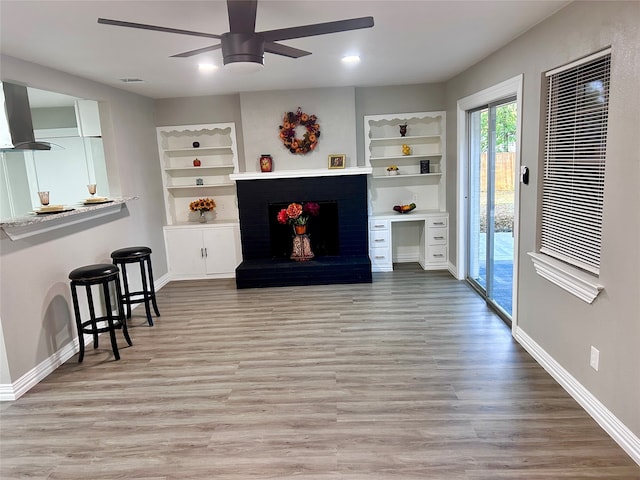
(337, 160)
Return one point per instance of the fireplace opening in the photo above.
(323, 231)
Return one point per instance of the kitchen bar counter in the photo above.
(34, 224)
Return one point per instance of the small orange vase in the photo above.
(300, 229)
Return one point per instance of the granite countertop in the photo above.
(32, 223)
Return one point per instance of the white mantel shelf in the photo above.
(301, 173)
(29, 225)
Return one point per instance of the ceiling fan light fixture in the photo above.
(242, 52)
(243, 68)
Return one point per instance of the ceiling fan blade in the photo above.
(144, 26)
(284, 50)
(197, 51)
(242, 15)
(317, 29)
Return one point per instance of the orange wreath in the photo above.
(309, 140)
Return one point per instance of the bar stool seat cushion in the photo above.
(132, 253)
(93, 272)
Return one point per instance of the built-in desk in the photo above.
(433, 239)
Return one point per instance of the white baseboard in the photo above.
(13, 391)
(453, 270)
(624, 437)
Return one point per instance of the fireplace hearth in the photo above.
(339, 232)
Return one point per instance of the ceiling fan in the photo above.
(242, 45)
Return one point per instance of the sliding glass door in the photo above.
(492, 160)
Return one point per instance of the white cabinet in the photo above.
(208, 251)
(215, 149)
(414, 181)
(196, 162)
(380, 245)
(391, 237)
(430, 236)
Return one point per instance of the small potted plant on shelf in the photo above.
(392, 170)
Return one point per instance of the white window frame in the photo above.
(567, 258)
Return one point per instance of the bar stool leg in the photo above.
(145, 293)
(112, 330)
(92, 316)
(76, 311)
(152, 288)
(121, 315)
(126, 290)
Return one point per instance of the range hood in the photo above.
(16, 125)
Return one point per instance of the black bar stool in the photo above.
(100, 274)
(142, 256)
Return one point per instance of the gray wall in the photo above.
(35, 306)
(564, 326)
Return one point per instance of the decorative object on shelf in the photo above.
(297, 214)
(202, 205)
(337, 160)
(199, 181)
(197, 163)
(403, 129)
(266, 163)
(404, 208)
(309, 140)
(424, 166)
(406, 149)
(197, 144)
(44, 198)
(392, 170)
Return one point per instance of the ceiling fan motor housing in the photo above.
(242, 47)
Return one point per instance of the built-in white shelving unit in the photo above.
(200, 250)
(421, 235)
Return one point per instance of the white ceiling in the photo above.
(417, 41)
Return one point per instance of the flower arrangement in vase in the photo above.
(297, 214)
(202, 205)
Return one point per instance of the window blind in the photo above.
(574, 162)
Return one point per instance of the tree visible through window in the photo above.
(574, 163)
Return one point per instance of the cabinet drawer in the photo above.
(437, 222)
(375, 225)
(379, 238)
(381, 259)
(437, 254)
(437, 236)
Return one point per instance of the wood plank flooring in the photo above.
(410, 377)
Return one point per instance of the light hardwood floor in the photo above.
(410, 377)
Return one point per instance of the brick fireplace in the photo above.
(342, 249)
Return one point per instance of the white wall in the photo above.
(560, 324)
(35, 304)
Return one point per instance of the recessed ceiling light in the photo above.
(351, 59)
(207, 67)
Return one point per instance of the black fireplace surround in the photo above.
(348, 263)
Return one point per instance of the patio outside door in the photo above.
(492, 160)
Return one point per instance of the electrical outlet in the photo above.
(595, 358)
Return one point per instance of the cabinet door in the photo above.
(221, 254)
(185, 252)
